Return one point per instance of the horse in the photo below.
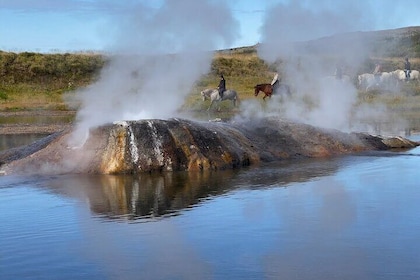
(214, 96)
(269, 89)
(382, 81)
(387, 81)
(367, 81)
(401, 77)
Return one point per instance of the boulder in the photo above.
(179, 144)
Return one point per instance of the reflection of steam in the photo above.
(160, 54)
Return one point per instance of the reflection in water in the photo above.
(153, 195)
(157, 195)
(144, 195)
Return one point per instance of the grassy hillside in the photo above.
(38, 81)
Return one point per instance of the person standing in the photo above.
(222, 86)
(407, 68)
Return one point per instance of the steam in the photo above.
(160, 51)
(301, 21)
(319, 98)
(158, 55)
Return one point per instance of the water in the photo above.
(352, 217)
(8, 141)
(34, 118)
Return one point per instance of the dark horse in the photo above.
(269, 89)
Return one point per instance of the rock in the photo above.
(399, 143)
(179, 144)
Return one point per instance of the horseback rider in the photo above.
(222, 86)
(407, 68)
(377, 72)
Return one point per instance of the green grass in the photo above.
(3, 95)
(30, 97)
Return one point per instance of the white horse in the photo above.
(387, 81)
(213, 95)
(382, 81)
(415, 75)
(367, 81)
(399, 75)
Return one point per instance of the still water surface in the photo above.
(352, 217)
(8, 141)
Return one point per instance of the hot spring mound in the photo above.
(178, 144)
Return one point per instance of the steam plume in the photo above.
(319, 99)
(158, 54)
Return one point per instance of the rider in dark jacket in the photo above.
(407, 68)
(222, 86)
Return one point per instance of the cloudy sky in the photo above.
(95, 25)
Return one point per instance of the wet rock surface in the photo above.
(179, 144)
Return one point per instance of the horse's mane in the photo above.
(208, 91)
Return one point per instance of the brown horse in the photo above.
(269, 89)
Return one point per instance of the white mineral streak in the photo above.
(133, 145)
(157, 146)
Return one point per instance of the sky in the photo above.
(89, 25)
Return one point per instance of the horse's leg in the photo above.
(211, 104)
(218, 105)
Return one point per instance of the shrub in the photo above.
(3, 95)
